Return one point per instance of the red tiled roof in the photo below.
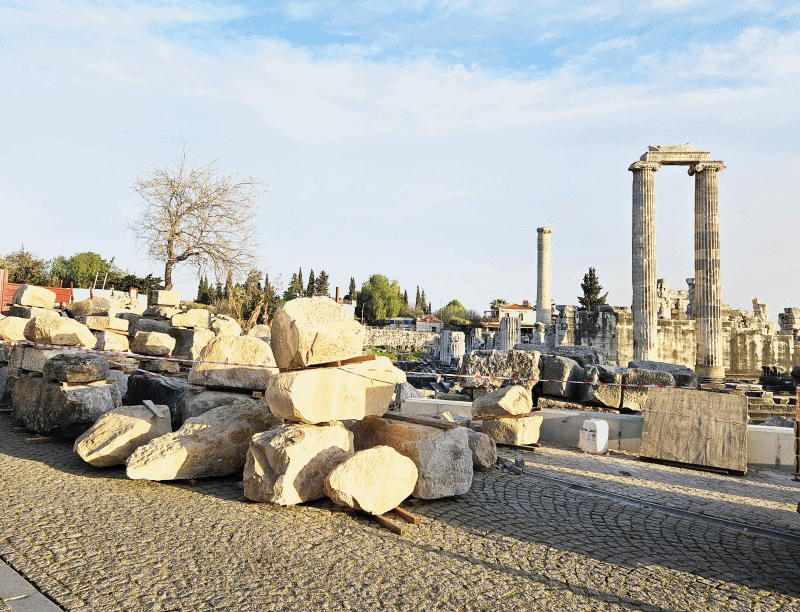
(429, 319)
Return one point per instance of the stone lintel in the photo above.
(676, 158)
(708, 165)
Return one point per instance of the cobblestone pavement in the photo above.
(92, 540)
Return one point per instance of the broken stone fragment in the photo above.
(31, 295)
(684, 377)
(223, 325)
(110, 341)
(504, 401)
(119, 432)
(309, 331)
(76, 367)
(288, 464)
(195, 404)
(165, 298)
(103, 323)
(442, 456)
(197, 318)
(189, 343)
(12, 329)
(52, 408)
(161, 312)
(213, 444)
(608, 394)
(159, 390)
(567, 375)
(262, 332)
(520, 430)
(149, 325)
(28, 312)
(59, 330)
(480, 365)
(155, 344)
(635, 398)
(374, 480)
(254, 361)
(350, 391)
(33, 359)
(160, 366)
(484, 449)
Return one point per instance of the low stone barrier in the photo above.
(399, 340)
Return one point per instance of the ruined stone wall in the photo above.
(399, 340)
(676, 342)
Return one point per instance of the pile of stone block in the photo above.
(31, 301)
(507, 416)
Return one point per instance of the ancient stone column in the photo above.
(645, 293)
(707, 283)
(543, 300)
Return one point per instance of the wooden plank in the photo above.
(153, 408)
(407, 516)
(258, 394)
(42, 440)
(391, 526)
(492, 417)
(419, 420)
(696, 428)
(527, 447)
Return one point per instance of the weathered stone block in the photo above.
(29, 312)
(213, 444)
(234, 350)
(582, 355)
(76, 367)
(165, 391)
(223, 325)
(262, 332)
(155, 344)
(442, 456)
(602, 394)
(197, 318)
(309, 331)
(195, 404)
(163, 313)
(12, 328)
(122, 382)
(373, 480)
(350, 391)
(149, 325)
(119, 432)
(59, 330)
(504, 401)
(483, 448)
(684, 377)
(189, 343)
(106, 323)
(288, 464)
(33, 359)
(165, 298)
(160, 366)
(567, 374)
(31, 295)
(110, 341)
(521, 430)
(480, 365)
(634, 398)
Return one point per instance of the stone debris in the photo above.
(165, 298)
(155, 344)
(31, 295)
(310, 331)
(503, 402)
(119, 432)
(288, 464)
(59, 330)
(223, 325)
(442, 456)
(144, 324)
(234, 350)
(197, 318)
(212, 444)
(12, 329)
(521, 430)
(373, 480)
(350, 391)
(76, 367)
(484, 449)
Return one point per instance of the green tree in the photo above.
(292, 290)
(380, 298)
(351, 292)
(591, 298)
(497, 303)
(322, 283)
(202, 291)
(312, 284)
(272, 299)
(300, 287)
(417, 300)
(424, 303)
(453, 310)
(405, 299)
(25, 267)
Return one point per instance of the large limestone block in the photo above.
(484, 449)
(234, 350)
(504, 401)
(149, 325)
(373, 480)
(521, 430)
(479, 366)
(161, 312)
(59, 330)
(635, 398)
(103, 323)
(195, 404)
(309, 331)
(166, 391)
(33, 359)
(51, 408)
(213, 444)
(28, 312)
(189, 343)
(119, 432)
(154, 344)
(12, 329)
(684, 377)
(197, 318)
(350, 391)
(442, 456)
(31, 295)
(122, 382)
(609, 393)
(262, 332)
(165, 298)
(582, 355)
(110, 341)
(288, 464)
(76, 367)
(84, 308)
(567, 375)
(223, 325)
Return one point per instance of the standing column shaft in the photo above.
(645, 291)
(707, 281)
(543, 300)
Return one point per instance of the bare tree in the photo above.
(192, 214)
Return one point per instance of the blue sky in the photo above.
(422, 140)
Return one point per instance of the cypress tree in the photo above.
(300, 288)
(312, 284)
(405, 298)
(424, 303)
(322, 283)
(352, 289)
(417, 301)
(591, 292)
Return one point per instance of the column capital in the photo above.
(643, 165)
(715, 166)
(544, 230)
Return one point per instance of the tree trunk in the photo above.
(168, 275)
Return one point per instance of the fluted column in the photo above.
(543, 300)
(645, 294)
(707, 282)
